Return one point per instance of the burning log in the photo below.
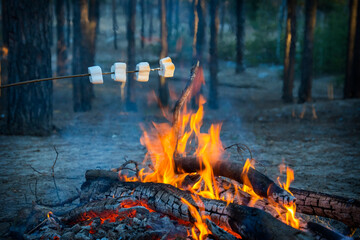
(250, 223)
(339, 208)
(261, 184)
(342, 209)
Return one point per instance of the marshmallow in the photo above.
(143, 73)
(167, 68)
(95, 75)
(120, 72)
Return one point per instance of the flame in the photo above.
(247, 187)
(290, 217)
(199, 219)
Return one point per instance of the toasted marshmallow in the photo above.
(143, 73)
(167, 68)
(119, 70)
(95, 75)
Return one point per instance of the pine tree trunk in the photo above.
(289, 58)
(68, 22)
(214, 27)
(240, 27)
(86, 16)
(151, 16)
(307, 58)
(4, 61)
(115, 26)
(130, 96)
(200, 42)
(177, 17)
(169, 18)
(61, 48)
(352, 85)
(142, 7)
(27, 33)
(163, 87)
(280, 28)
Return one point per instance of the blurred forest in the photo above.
(61, 37)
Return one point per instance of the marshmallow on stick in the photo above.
(119, 70)
(143, 73)
(167, 68)
(95, 75)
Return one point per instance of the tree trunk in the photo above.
(307, 58)
(352, 82)
(214, 28)
(240, 31)
(222, 17)
(177, 17)
(200, 42)
(289, 58)
(130, 96)
(27, 33)
(68, 22)
(4, 61)
(115, 26)
(85, 22)
(163, 86)
(151, 16)
(61, 67)
(142, 7)
(280, 28)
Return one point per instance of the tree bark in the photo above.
(61, 53)
(85, 21)
(307, 56)
(352, 82)
(151, 16)
(240, 32)
(200, 38)
(250, 223)
(115, 26)
(27, 33)
(214, 28)
(163, 86)
(289, 58)
(142, 8)
(280, 27)
(68, 22)
(130, 96)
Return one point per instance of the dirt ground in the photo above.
(322, 146)
(324, 152)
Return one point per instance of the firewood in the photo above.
(262, 185)
(339, 208)
(250, 223)
(320, 204)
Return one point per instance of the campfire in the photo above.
(191, 188)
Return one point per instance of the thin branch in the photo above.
(53, 166)
(180, 103)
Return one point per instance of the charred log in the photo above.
(342, 209)
(262, 185)
(250, 223)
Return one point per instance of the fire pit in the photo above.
(191, 189)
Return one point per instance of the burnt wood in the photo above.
(250, 223)
(262, 185)
(320, 204)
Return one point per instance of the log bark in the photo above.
(339, 208)
(262, 185)
(312, 203)
(250, 223)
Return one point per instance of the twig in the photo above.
(240, 148)
(123, 167)
(180, 103)
(39, 225)
(53, 166)
(60, 204)
(41, 173)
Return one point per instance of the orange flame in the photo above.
(290, 217)
(199, 219)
